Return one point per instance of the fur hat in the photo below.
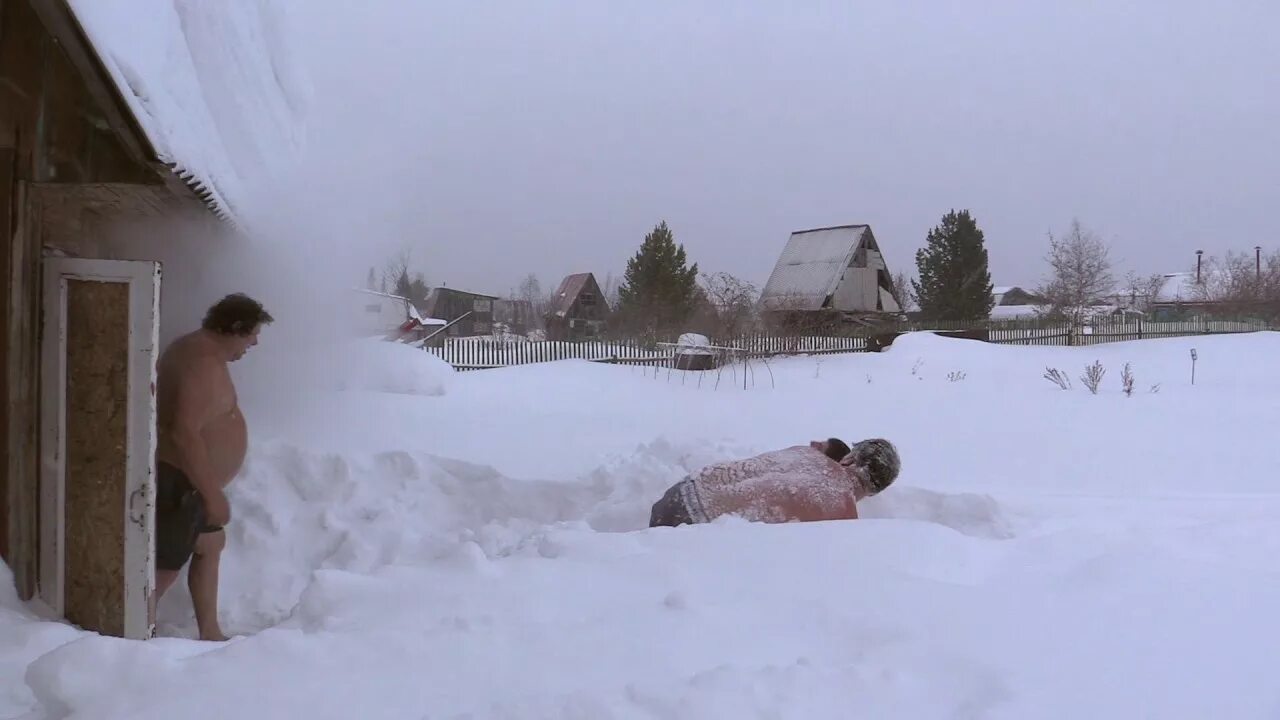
(879, 458)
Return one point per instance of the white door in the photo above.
(100, 340)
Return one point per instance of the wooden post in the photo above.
(23, 378)
(8, 157)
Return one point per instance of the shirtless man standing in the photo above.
(202, 443)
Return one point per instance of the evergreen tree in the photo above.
(954, 283)
(370, 283)
(418, 290)
(404, 286)
(658, 291)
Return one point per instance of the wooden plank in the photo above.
(7, 160)
(59, 21)
(23, 373)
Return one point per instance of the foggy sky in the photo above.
(498, 139)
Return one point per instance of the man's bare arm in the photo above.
(194, 408)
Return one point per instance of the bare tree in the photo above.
(1143, 290)
(1242, 282)
(530, 291)
(733, 300)
(1080, 267)
(395, 274)
(903, 291)
(610, 289)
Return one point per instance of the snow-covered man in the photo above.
(823, 480)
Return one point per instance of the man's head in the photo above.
(878, 461)
(834, 448)
(235, 320)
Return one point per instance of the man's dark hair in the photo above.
(880, 460)
(236, 314)
(836, 449)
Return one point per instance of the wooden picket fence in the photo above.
(477, 353)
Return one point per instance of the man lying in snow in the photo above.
(823, 480)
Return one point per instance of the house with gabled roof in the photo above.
(578, 309)
(109, 123)
(838, 271)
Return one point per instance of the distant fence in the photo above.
(478, 353)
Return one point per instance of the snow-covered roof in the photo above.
(1003, 289)
(1009, 312)
(213, 86)
(1179, 287)
(811, 266)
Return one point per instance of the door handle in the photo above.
(138, 507)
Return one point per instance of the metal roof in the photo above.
(570, 288)
(810, 267)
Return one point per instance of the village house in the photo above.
(468, 314)
(1013, 302)
(578, 309)
(93, 147)
(836, 274)
(393, 317)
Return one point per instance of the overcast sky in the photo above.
(499, 139)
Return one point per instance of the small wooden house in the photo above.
(472, 312)
(578, 309)
(829, 275)
(90, 152)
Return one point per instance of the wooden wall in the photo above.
(67, 170)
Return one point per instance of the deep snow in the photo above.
(472, 545)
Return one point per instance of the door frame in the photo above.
(143, 278)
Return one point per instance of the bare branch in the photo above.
(1080, 274)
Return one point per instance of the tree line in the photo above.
(661, 293)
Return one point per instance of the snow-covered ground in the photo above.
(474, 546)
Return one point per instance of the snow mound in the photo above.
(299, 514)
(387, 367)
(968, 513)
(368, 365)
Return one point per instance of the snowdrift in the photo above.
(425, 554)
(363, 366)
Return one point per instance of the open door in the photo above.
(100, 342)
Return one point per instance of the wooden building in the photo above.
(578, 309)
(829, 276)
(81, 326)
(472, 312)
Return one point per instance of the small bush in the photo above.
(1057, 377)
(1126, 379)
(1092, 377)
(956, 376)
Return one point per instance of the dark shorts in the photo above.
(180, 518)
(670, 510)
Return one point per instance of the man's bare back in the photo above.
(202, 440)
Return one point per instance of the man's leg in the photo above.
(165, 580)
(202, 579)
